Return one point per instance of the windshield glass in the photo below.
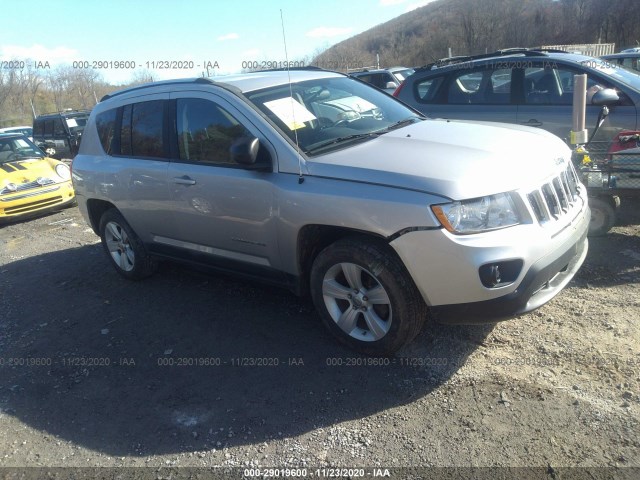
(402, 75)
(328, 113)
(18, 148)
(628, 77)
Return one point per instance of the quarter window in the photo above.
(206, 131)
(106, 125)
(427, 89)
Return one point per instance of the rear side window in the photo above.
(125, 131)
(48, 128)
(206, 131)
(487, 87)
(426, 89)
(106, 126)
(147, 132)
(58, 127)
(38, 128)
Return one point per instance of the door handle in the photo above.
(184, 180)
(532, 123)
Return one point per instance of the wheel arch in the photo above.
(314, 238)
(95, 210)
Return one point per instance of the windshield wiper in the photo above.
(400, 124)
(334, 141)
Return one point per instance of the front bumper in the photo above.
(543, 281)
(445, 268)
(30, 202)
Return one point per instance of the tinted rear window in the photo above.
(147, 121)
(106, 126)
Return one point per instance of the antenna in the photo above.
(293, 110)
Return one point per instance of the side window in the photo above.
(206, 131)
(548, 86)
(487, 87)
(106, 126)
(125, 131)
(58, 127)
(38, 128)
(554, 86)
(426, 89)
(48, 128)
(147, 132)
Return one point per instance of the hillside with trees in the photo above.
(476, 26)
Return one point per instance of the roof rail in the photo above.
(291, 69)
(163, 82)
(69, 110)
(527, 52)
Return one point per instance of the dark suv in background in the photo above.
(526, 87)
(59, 134)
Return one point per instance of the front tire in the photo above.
(125, 250)
(366, 297)
(603, 216)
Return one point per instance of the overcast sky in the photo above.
(225, 32)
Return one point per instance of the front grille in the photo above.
(27, 186)
(30, 207)
(554, 199)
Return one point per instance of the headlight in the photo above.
(478, 214)
(63, 171)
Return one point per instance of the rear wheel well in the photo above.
(312, 239)
(96, 209)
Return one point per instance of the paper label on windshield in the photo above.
(71, 122)
(291, 112)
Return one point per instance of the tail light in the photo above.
(397, 91)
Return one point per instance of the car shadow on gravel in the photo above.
(613, 260)
(185, 361)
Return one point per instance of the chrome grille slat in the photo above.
(555, 198)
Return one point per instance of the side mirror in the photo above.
(607, 96)
(244, 150)
(390, 85)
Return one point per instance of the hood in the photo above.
(450, 158)
(23, 171)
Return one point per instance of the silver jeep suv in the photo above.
(315, 181)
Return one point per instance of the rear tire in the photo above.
(123, 247)
(603, 216)
(366, 296)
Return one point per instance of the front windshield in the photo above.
(628, 77)
(18, 148)
(329, 113)
(402, 75)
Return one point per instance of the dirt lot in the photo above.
(191, 370)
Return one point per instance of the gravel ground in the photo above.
(187, 369)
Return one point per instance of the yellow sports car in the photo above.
(30, 182)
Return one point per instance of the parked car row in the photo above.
(526, 87)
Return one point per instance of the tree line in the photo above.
(25, 90)
(467, 27)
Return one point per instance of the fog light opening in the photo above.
(494, 275)
(500, 274)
